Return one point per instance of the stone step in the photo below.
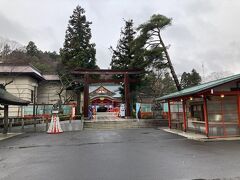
(125, 124)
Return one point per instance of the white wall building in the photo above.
(27, 82)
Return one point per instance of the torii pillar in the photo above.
(127, 98)
(86, 95)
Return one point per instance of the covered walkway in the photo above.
(211, 109)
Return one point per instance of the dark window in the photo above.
(32, 95)
(197, 112)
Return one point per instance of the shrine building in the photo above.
(212, 108)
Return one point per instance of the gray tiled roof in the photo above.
(112, 88)
(20, 69)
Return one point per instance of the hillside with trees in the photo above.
(47, 62)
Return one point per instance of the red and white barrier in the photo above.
(54, 127)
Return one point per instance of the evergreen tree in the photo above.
(123, 56)
(195, 78)
(32, 49)
(185, 80)
(168, 85)
(156, 51)
(190, 79)
(78, 51)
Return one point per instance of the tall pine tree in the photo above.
(32, 49)
(78, 51)
(123, 55)
(156, 51)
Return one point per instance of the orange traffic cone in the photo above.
(54, 127)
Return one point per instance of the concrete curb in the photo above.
(198, 137)
(73, 125)
(190, 136)
(9, 135)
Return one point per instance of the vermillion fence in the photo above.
(42, 116)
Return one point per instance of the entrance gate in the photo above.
(88, 80)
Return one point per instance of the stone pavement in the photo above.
(133, 154)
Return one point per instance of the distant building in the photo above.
(107, 96)
(26, 82)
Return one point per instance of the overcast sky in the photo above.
(204, 33)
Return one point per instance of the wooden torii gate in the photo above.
(88, 80)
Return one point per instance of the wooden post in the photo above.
(5, 129)
(238, 97)
(22, 120)
(78, 108)
(169, 114)
(205, 115)
(86, 95)
(34, 110)
(10, 122)
(184, 116)
(46, 121)
(127, 98)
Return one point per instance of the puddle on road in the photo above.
(146, 133)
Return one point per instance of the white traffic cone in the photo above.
(54, 127)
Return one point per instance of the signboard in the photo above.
(55, 111)
(122, 110)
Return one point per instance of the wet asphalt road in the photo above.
(134, 154)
